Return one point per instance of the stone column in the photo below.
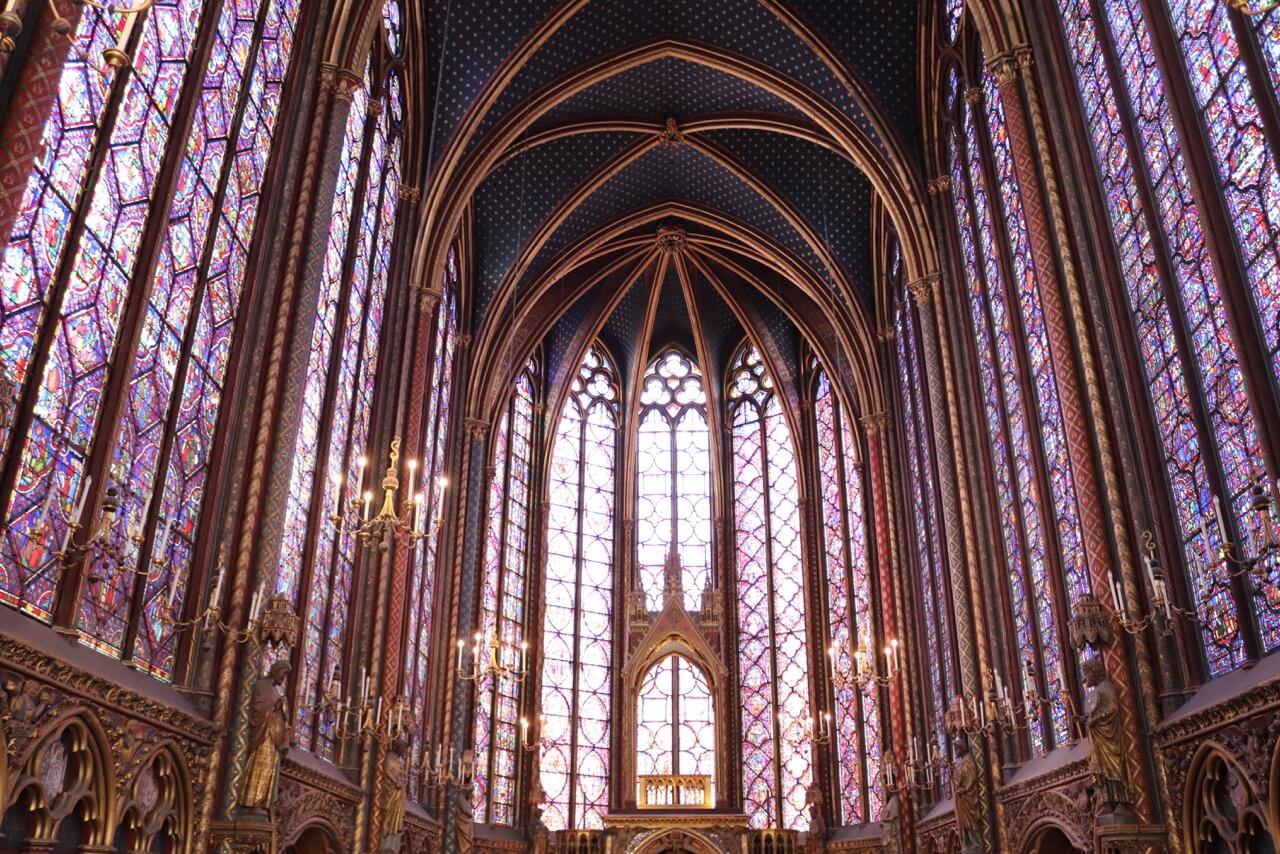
(1082, 418)
(966, 588)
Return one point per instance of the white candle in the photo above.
(173, 587)
(377, 715)
(360, 464)
(461, 646)
(524, 730)
(1217, 515)
(1118, 595)
(82, 500)
(217, 587)
(368, 502)
(164, 541)
(413, 476)
(524, 655)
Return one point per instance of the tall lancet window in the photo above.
(423, 578)
(773, 652)
(119, 301)
(849, 615)
(674, 477)
(675, 721)
(577, 629)
(1179, 295)
(318, 562)
(506, 572)
(1027, 449)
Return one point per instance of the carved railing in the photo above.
(578, 842)
(773, 842)
(675, 792)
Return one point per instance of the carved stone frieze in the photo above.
(1059, 798)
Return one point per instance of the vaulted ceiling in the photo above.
(767, 133)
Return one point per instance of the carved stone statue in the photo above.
(537, 827)
(817, 822)
(964, 787)
(1106, 748)
(269, 737)
(395, 777)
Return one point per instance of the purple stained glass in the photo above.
(772, 641)
(577, 629)
(1156, 155)
(197, 283)
(434, 487)
(1017, 498)
(1250, 185)
(502, 605)
(849, 608)
(932, 596)
(117, 202)
(674, 468)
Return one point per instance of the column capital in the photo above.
(409, 194)
(875, 423)
(938, 186)
(340, 82)
(923, 288)
(973, 95)
(477, 428)
(1005, 68)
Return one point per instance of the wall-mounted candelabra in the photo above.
(918, 772)
(497, 660)
(865, 671)
(532, 745)
(390, 523)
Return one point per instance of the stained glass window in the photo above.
(99, 241)
(777, 748)
(953, 11)
(334, 467)
(1191, 354)
(674, 477)
(1027, 536)
(425, 571)
(675, 721)
(851, 622)
(577, 628)
(506, 556)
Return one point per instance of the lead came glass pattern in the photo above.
(100, 266)
(197, 281)
(674, 477)
(772, 645)
(857, 722)
(675, 721)
(502, 607)
(577, 630)
(177, 370)
(1016, 488)
(434, 487)
(1211, 368)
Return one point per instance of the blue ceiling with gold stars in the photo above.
(749, 155)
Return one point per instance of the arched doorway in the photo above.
(676, 842)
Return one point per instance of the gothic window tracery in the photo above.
(674, 477)
(773, 647)
(503, 600)
(577, 632)
(850, 617)
(675, 717)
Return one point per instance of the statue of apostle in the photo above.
(1106, 749)
(964, 786)
(269, 736)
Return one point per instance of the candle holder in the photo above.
(531, 746)
(436, 773)
(1243, 7)
(865, 672)
(115, 57)
(504, 661)
(390, 524)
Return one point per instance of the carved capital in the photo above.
(1005, 68)
(430, 298)
(923, 288)
(938, 186)
(477, 428)
(1025, 59)
(885, 334)
(412, 195)
(339, 82)
(875, 423)
(973, 95)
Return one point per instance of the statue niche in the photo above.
(675, 674)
